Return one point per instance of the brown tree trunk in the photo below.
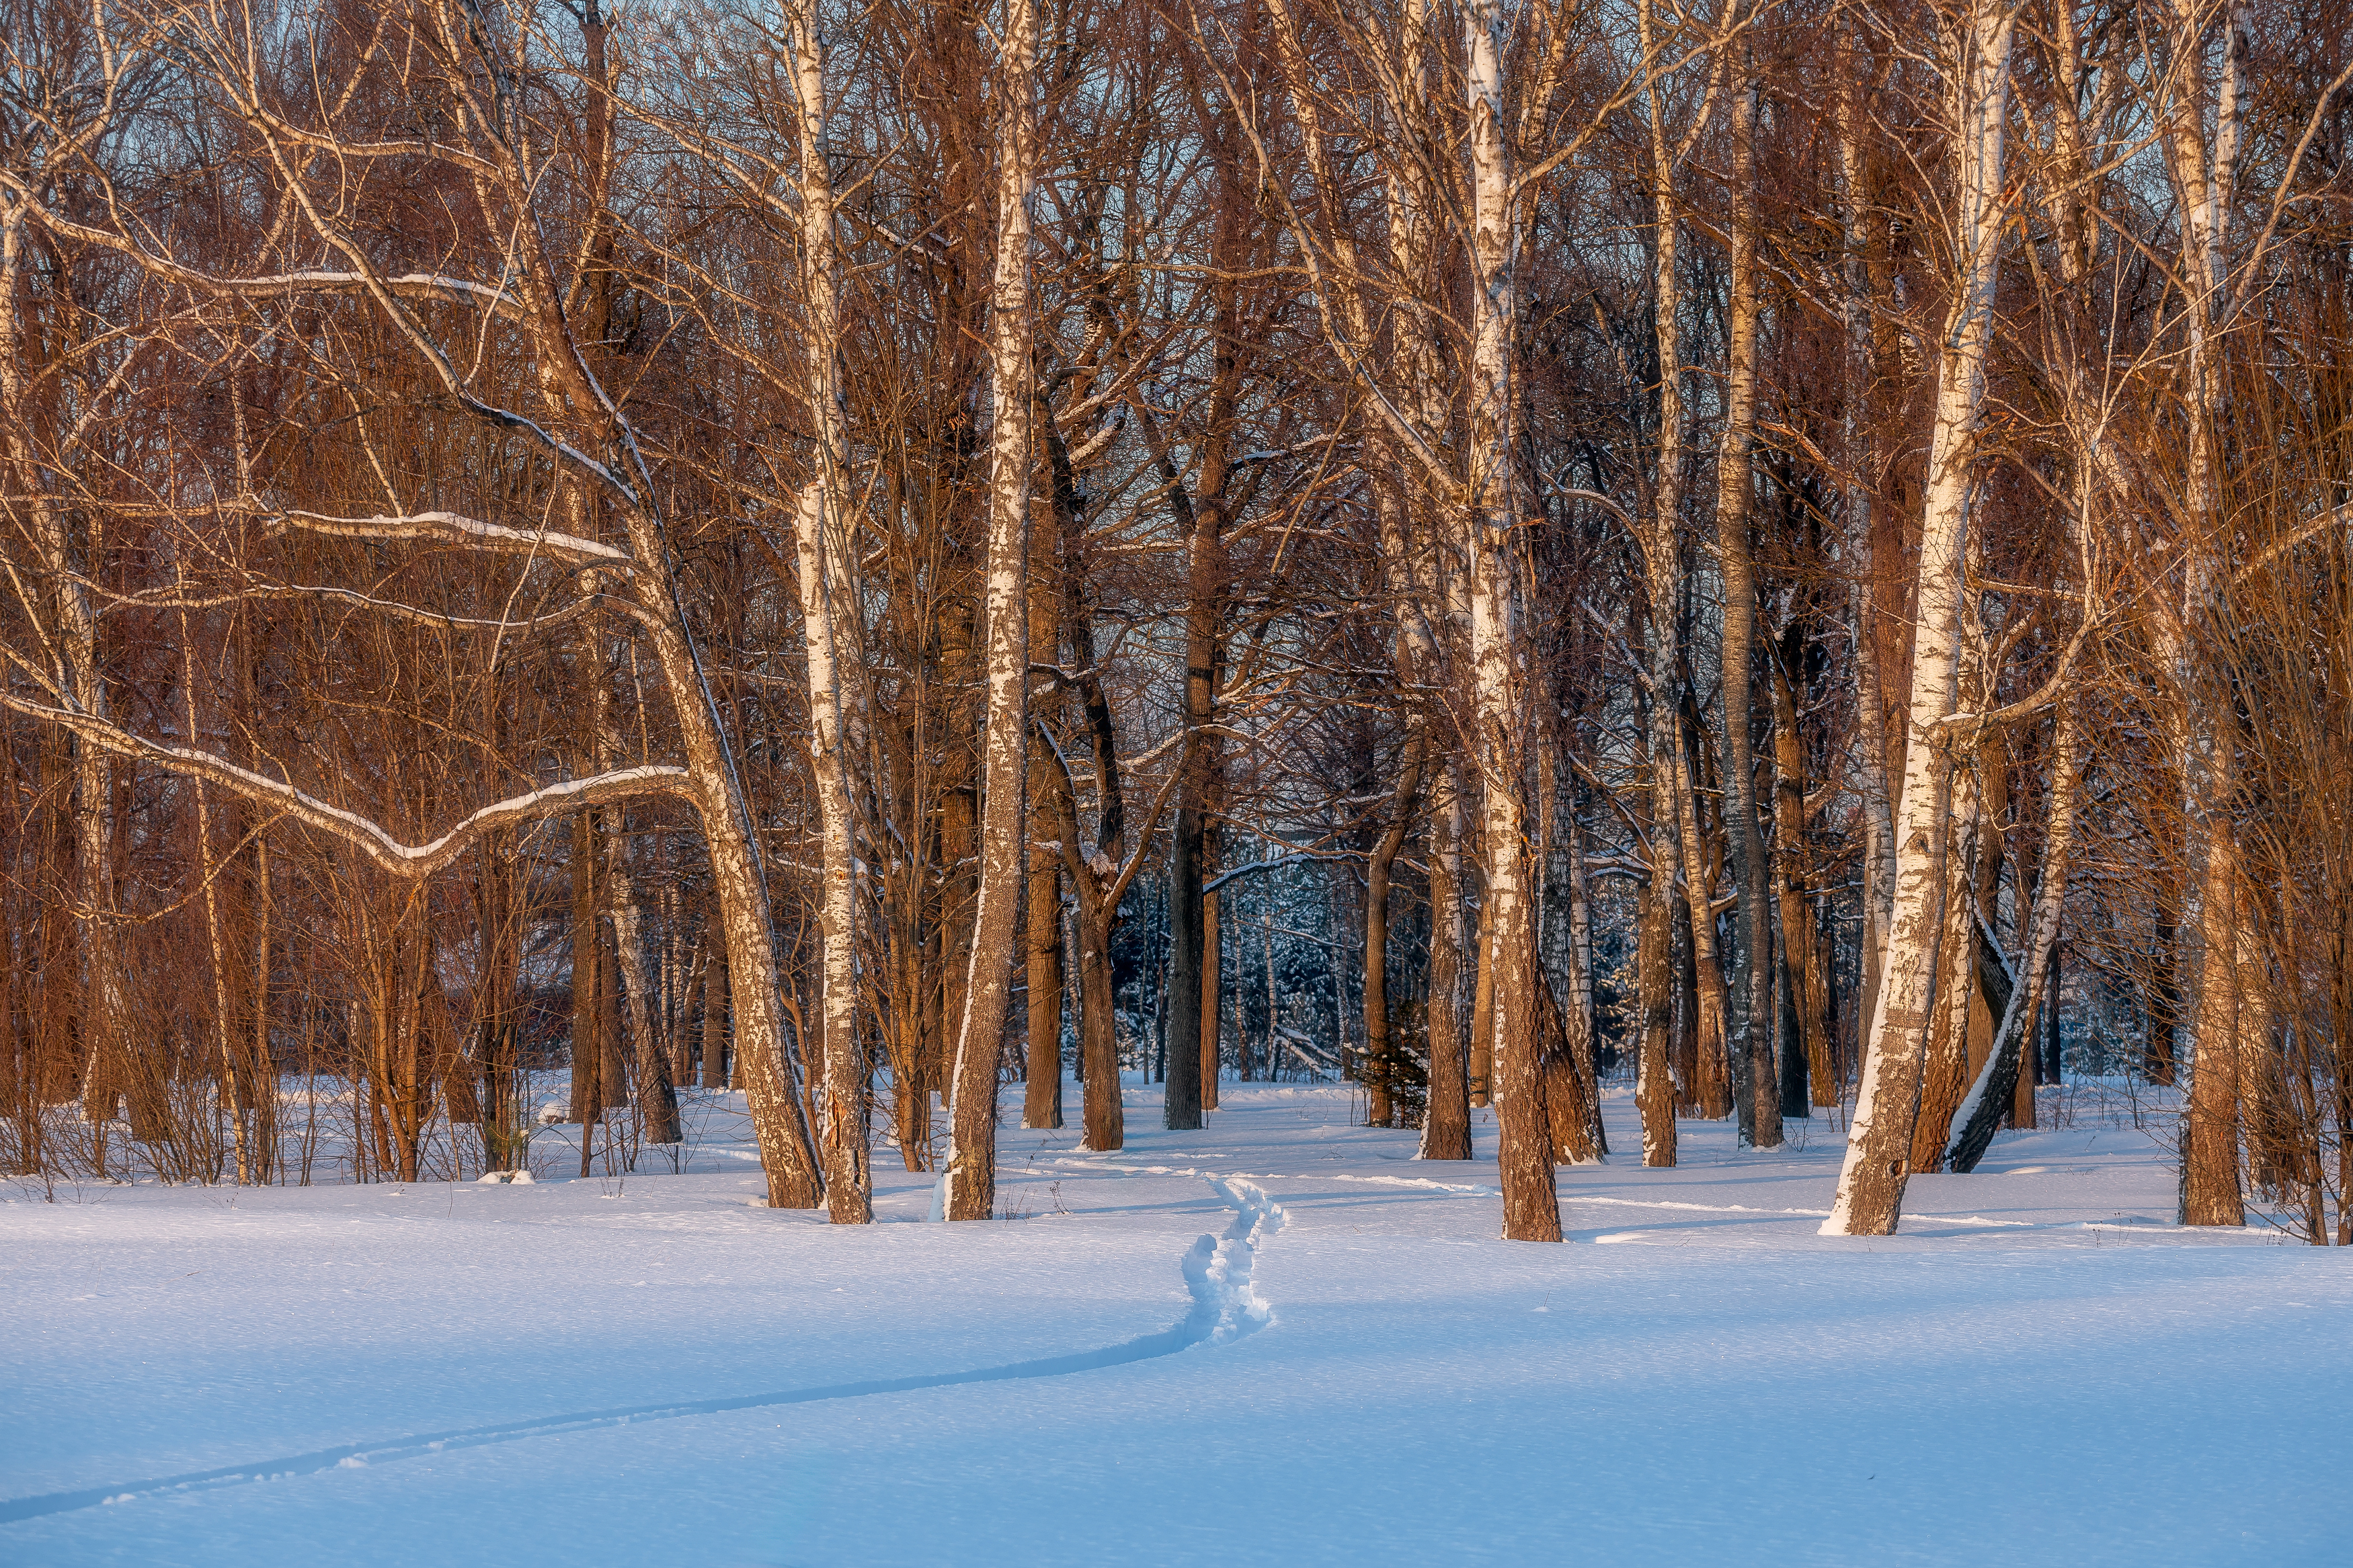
(587, 987)
(1380, 1064)
(1654, 1088)
(714, 1020)
(1041, 1104)
(1212, 1016)
(1808, 981)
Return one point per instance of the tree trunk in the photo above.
(1675, 862)
(1752, 1051)
(972, 1148)
(1531, 1202)
(1972, 1128)
(1808, 981)
(2205, 174)
(1871, 1181)
(829, 619)
(587, 985)
(1446, 1123)
(714, 1019)
(1192, 1016)
(1717, 1085)
(1862, 235)
(1379, 1060)
(1654, 1088)
(1944, 1070)
(657, 1094)
(1041, 1101)
(1106, 1125)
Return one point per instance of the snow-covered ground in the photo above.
(1278, 1341)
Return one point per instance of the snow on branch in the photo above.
(414, 861)
(316, 281)
(458, 529)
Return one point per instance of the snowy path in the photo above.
(2054, 1374)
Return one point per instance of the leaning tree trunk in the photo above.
(971, 1192)
(1871, 1180)
(1974, 1125)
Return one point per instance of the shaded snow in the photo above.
(1278, 1340)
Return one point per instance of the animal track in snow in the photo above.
(1217, 1275)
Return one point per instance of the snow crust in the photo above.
(1278, 1340)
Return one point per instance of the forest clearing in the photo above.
(837, 781)
(2040, 1368)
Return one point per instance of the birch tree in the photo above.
(1976, 66)
(971, 1159)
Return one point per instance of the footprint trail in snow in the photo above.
(1218, 1274)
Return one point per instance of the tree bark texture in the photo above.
(1870, 1179)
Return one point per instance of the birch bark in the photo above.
(1531, 1202)
(971, 1177)
(2205, 174)
(1870, 1179)
(821, 526)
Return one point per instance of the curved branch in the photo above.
(414, 861)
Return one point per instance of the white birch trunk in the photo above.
(2204, 173)
(821, 526)
(971, 1177)
(1871, 1181)
(1531, 1202)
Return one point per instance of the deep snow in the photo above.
(1278, 1340)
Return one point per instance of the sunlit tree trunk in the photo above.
(2204, 168)
(972, 1150)
(1871, 1180)
(822, 525)
(1531, 1203)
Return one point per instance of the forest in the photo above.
(1789, 559)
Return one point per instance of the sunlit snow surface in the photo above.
(1279, 1341)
